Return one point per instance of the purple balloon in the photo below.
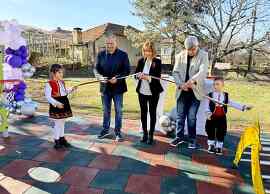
(18, 97)
(24, 61)
(22, 85)
(9, 51)
(14, 60)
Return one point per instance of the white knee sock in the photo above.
(211, 142)
(219, 144)
(59, 127)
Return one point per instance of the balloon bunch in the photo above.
(16, 67)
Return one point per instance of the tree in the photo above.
(162, 19)
(225, 25)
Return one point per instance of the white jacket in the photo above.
(198, 71)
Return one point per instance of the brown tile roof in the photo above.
(96, 32)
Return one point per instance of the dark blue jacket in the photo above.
(111, 65)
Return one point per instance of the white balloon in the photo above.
(28, 74)
(20, 103)
(18, 111)
(33, 69)
(27, 100)
(28, 109)
(26, 67)
(164, 121)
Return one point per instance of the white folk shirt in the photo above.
(220, 97)
(145, 86)
(48, 93)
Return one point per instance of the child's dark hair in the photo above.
(55, 68)
(219, 79)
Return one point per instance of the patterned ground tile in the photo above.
(4, 161)
(162, 168)
(115, 192)
(79, 158)
(80, 190)
(126, 151)
(175, 157)
(111, 180)
(243, 189)
(206, 188)
(52, 155)
(143, 184)
(134, 166)
(26, 153)
(106, 162)
(178, 185)
(102, 148)
(10, 185)
(19, 168)
(58, 167)
(47, 188)
(79, 176)
(194, 170)
(31, 142)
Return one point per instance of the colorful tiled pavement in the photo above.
(29, 165)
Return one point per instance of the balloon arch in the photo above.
(14, 71)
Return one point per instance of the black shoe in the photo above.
(150, 141)
(57, 144)
(144, 138)
(64, 142)
(211, 149)
(177, 141)
(104, 133)
(118, 137)
(219, 151)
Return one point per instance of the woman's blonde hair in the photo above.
(151, 46)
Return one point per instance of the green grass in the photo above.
(86, 101)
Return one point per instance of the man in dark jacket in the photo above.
(112, 63)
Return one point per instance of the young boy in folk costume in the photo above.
(56, 94)
(216, 124)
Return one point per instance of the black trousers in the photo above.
(153, 102)
(216, 128)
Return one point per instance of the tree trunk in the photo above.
(173, 53)
(250, 58)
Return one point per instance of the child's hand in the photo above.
(74, 88)
(247, 108)
(209, 117)
(60, 105)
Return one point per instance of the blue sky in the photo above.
(49, 14)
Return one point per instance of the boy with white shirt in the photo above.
(216, 124)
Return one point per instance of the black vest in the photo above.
(212, 105)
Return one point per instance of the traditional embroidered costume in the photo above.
(216, 125)
(56, 93)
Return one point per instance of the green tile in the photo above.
(114, 192)
(126, 151)
(176, 157)
(79, 158)
(243, 189)
(178, 185)
(194, 171)
(31, 141)
(4, 161)
(61, 168)
(114, 180)
(26, 153)
(135, 166)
